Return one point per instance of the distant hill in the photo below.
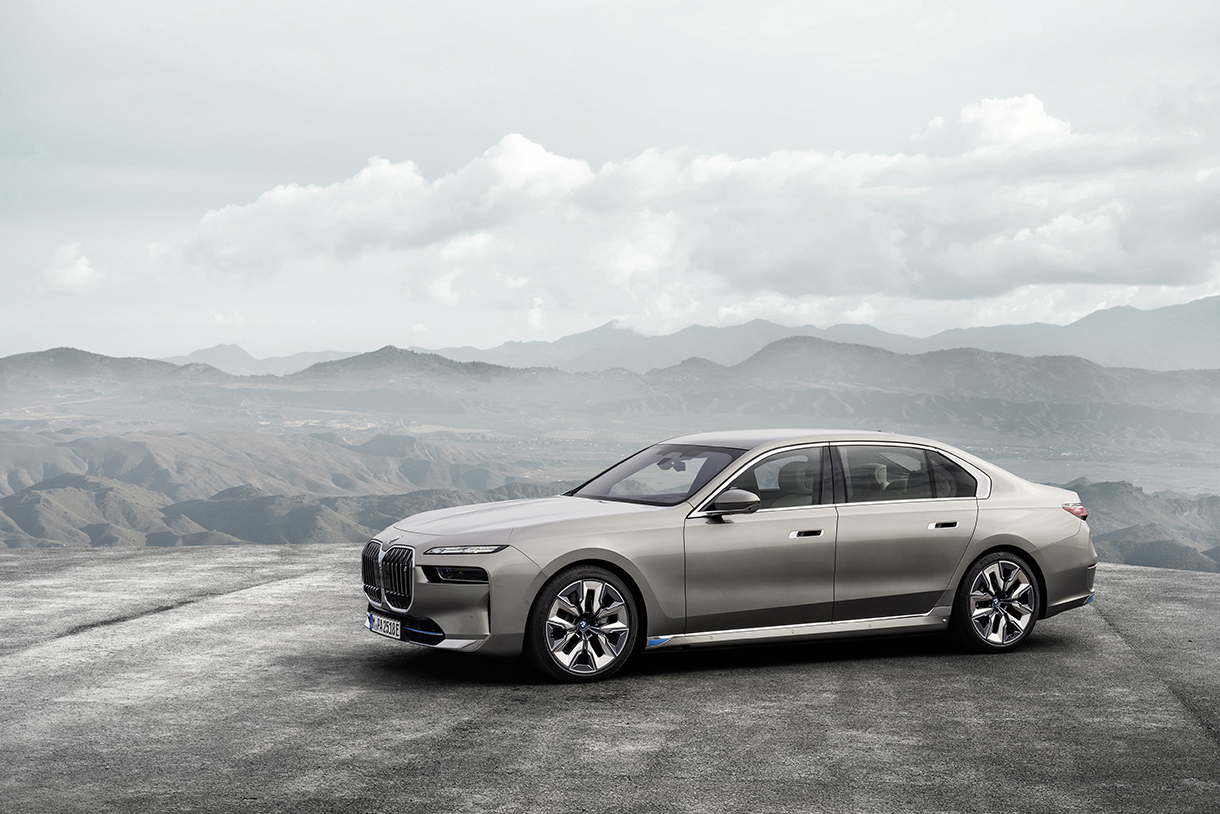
(390, 365)
(199, 465)
(87, 511)
(968, 372)
(72, 365)
(1176, 337)
(234, 360)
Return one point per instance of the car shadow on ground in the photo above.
(417, 667)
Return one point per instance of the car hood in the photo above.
(498, 520)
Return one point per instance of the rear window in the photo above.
(885, 473)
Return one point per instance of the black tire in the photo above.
(997, 604)
(583, 625)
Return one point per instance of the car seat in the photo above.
(797, 480)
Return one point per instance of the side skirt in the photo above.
(935, 619)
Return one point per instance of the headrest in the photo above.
(797, 477)
(878, 474)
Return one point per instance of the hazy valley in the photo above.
(101, 451)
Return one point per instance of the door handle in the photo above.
(809, 533)
(950, 525)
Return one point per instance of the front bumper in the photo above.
(401, 583)
(420, 630)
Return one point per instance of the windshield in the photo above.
(664, 475)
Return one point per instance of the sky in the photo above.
(341, 176)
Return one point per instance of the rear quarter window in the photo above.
(950, 479)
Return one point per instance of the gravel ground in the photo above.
(241, 679)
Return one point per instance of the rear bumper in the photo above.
(1081, 599)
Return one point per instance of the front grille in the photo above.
(388, 575)
(396, 567)
(371, 571)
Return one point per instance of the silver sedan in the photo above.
(727, 537)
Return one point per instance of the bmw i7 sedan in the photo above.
(732, 537)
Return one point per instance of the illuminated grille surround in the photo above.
(388, 575)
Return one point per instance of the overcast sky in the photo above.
(308, 176)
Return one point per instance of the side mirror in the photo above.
(734, 501)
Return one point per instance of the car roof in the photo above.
(752, 439)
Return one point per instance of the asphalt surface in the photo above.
(241, 679)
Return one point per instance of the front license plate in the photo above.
(382, 626)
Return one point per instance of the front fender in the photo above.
(665, 613)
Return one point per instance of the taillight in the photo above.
(1076, 509)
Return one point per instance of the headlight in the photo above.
(448, 573)
(466, 549)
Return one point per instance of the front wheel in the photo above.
(997, 603)
(583, 625)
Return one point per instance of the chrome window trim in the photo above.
(982, 493)
(938, 617)
(704, 504)
(907, 500)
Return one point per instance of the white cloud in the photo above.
(512, 282)
(235, 318)
(70, 272)
(1005, 198)
(1020, 124)
(534, 315)
(442, 288)
(865, 313)
(469, 247)
(644, 245)
(935, 124)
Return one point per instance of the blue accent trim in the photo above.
(1089, 601)
(658, 641)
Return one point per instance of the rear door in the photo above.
(906, 515)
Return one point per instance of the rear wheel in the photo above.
(583, 626)
(997, 603)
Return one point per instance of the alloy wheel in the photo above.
(1002, 603)
(588, 626)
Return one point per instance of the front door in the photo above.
(773, 567)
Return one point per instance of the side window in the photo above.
(885, 473)
(949, 479)
(789, 478)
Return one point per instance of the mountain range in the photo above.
(233, 359)
(815, 381)
(1175, 337)
(104, 451)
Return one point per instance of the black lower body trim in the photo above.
(1079, 602)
